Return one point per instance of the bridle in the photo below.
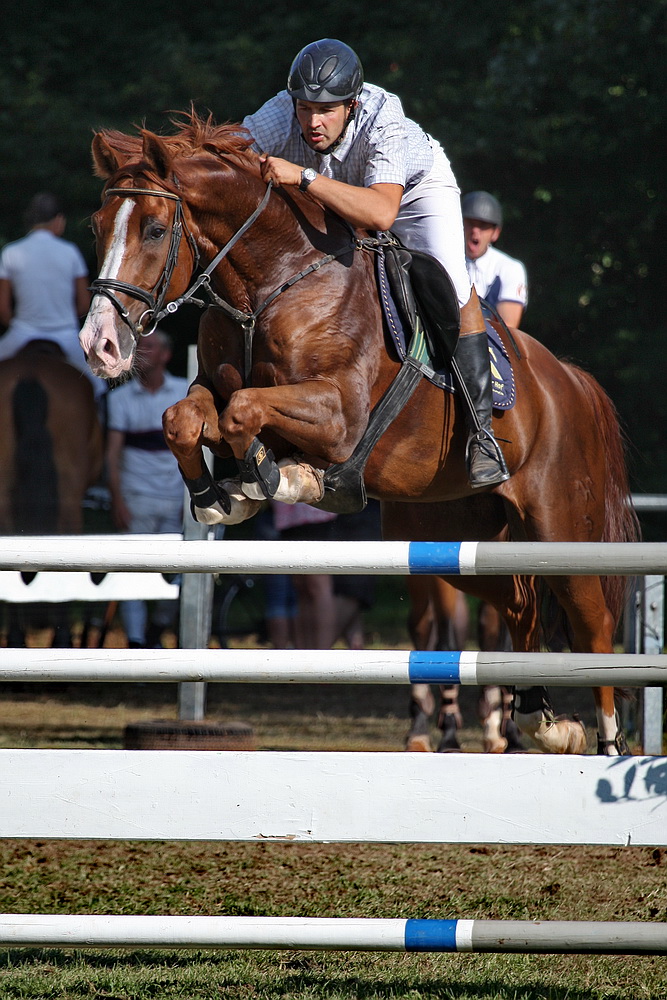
(155, 298)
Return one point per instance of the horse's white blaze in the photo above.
(102, 317)
(116, 251)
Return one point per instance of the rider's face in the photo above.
(478, 236)
(321, 124)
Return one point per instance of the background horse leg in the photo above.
(438, 619)
(500, 732)
(611, 738)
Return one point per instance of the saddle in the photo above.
(422, 315)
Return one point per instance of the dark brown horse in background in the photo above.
(295, 353)
(51, 451)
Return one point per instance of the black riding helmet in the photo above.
(483, 206)
(325, 71)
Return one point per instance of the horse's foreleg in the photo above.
(310, 415)
(188, 426)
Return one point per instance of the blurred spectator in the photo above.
(498, 278)
(144, 482)
(315, 625)
(355, 594)
(44, 287)
(315, 611)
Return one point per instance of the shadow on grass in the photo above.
(304, 974)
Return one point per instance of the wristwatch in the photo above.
(308, 175)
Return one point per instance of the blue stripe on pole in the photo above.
(434, 557)
(430, 935)
(437, 667)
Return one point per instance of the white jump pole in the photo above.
(27, 930)
(332, 666)
(196, 597)
(62, 552)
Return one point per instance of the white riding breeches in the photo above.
(429, 220)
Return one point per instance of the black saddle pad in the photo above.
(415, 345)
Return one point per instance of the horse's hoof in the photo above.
(299, 483)
(618, 747)
(241, 507)
(449, 741)
(418, 744)
(495, 744)
(554, 735)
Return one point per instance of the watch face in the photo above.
(308, 175)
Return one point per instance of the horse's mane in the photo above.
(193, 134)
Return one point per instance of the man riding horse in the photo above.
(350, 144)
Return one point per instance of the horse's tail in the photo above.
(620, 523)
(35, 500)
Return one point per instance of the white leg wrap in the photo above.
(298, 484)
(242, 506)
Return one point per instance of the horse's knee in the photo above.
(182, 425)
(242, 417)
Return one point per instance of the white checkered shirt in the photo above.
(381, 145)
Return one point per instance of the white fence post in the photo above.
(652, 641)
(196, 601)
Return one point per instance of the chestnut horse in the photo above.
(293, 357)
(51, 451)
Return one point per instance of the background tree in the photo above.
(556, 106)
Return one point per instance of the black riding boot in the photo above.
(486, 465)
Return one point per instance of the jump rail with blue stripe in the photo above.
(332, 666)
(331, 934)
(125, 553)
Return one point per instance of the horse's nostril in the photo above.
(108, 347)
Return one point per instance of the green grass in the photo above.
(330, 880)
(373, 880)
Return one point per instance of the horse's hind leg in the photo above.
(495, 705)
(611, 738)
(593, 625)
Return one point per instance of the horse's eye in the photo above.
(155, 231)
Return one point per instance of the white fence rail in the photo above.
(331, 797)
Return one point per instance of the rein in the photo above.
(157, 310)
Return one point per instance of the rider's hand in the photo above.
(281, 172)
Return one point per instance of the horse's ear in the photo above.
(106, 159)
(156, 151)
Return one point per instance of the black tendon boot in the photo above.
(486, 465)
